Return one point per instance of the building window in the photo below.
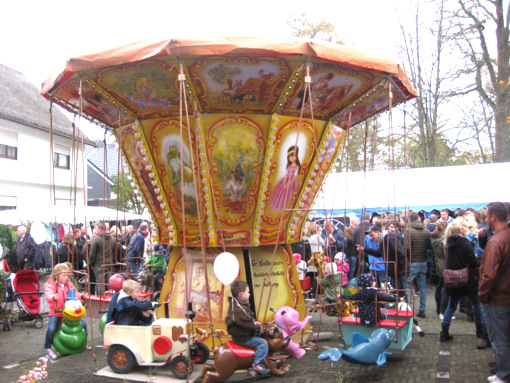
(8, 144)
(7, 202)
(61, 161)
(7, 151)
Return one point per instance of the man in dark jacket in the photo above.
(136, 249)
(417, 242)
(101, 253)
(25, 249)
(494, 287)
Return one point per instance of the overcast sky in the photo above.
(38, 36)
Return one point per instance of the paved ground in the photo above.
(424, 360)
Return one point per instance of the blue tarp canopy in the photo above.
(426, 189)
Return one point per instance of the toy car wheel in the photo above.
(38, 323)
(179, 367)
(120, 359)
(202, 354)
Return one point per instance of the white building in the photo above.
(28, 173)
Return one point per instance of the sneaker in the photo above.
(441, 316)
(260, 369)
(51, 354)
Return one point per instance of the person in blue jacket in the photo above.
(129, 310)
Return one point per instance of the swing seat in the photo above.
(241, 351)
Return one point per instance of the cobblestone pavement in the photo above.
(424, 360)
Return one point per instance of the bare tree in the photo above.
(478, 20)
(431, 133)
(320, 30)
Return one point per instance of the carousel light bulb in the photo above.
(154, 182)
(310, 182)
(162, 205)
(276, 120)
(151, 175)
(263, 197)
(256, 234)
(171, 234)
(199, 129)
(267, 172)
(264, 188)
(204, 172)
(145, 159)
(211, 235)
(313, 174)
(269, 155)
(257, 243)
(208, 205)
(157, 190)
(301, 204)
(208, 212)
(137, 134)
(169, 228)
(316, 166)
(136, 191)
(201, 147)
(257, 227)
(265, 180)
(292, 232)
(165, 213)
(209, 220)
(272, 138)
(210, 227)
(206, 196)
(268, 164)
(204, 180)
(206, 189)
(201, 155)
(129, 177)
(260, 212)
(262, 204)
(143, 150)
(274, 129)
(167, 221)
(259, 220)
(159, 198)
(139, 143)
(170, 242)
(148, 167)
(133, 184)
(270, 147)
(202, 164)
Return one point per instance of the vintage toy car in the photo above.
(163, 342)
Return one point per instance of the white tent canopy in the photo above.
(416, 189)
(66, 214)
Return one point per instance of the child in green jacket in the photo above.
(157, 261)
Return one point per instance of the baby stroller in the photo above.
(27, 296)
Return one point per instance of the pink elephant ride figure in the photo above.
(288, 320)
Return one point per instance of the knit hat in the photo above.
(365, 280)
(158, 248)
(340, 256)
(297, 257)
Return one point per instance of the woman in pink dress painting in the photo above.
(285, 187)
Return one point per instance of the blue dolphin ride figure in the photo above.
(364, 351)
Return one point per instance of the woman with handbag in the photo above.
(461, 280)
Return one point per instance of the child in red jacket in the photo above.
(55, 292)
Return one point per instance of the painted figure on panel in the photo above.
(175, 173)
(285, 187)
(234, 180)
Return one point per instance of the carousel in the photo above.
(229, 141)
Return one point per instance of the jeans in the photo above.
(404, 283)
(53, 327)
(419, 270)
(352, 260)
(452, 306)
(441, 298)
(157, 280)
(260, 346)
(497, 323)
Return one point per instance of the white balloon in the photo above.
(38, 232)
(226, 268)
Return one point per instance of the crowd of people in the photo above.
(109, 249)
(412, 251)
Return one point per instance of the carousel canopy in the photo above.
(229, 138)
